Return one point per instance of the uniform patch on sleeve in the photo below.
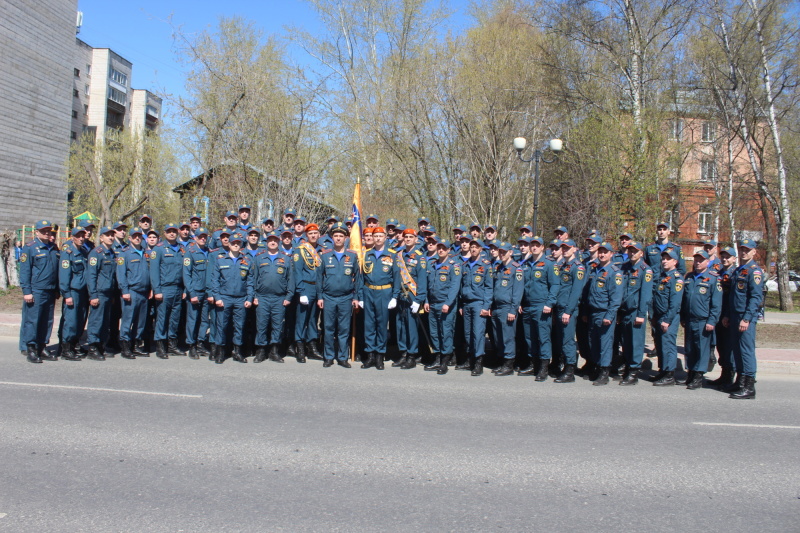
(93, 261)
(153, 254)
(757, 278)
(64, 264)
(580, 274)
(648, 276)
(120, 260)
(187, 262)
(618, 279)
(23, 257)
(678, 286)
(519, 276)
(296, 257)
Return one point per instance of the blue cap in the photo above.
(300, 218)
(267, 219)
(493, 242)
(170, 226)
(606, 246)
(245, 206)
(526, 227)
(526, 240)
(373, 217)
(348, 219)
(461, 227)
(555, 243)
(710, 242)
(119, 225)
(135, 231)
(464, 235)
(487, 227)
(400, 227)
(233, 214)
(637, 245)
(77, 229)
(503, 245)
(197, 216)
(273, 233)
(284, 231)
(730, 250)
(568, 242)
(671, 253)
(200, 231)
(703, 254)
(594, 238)
(43, 224)
(750, 244)
(88, 224)
(185, 225)
(152, 230)
(666, 225)
(430, 228)
(146, 216)
(334, 218)
(289, 211)
(476, 225)
(224, 231)
(444, 242)
(237, 236)
(626, 236)
(106, 229)
(340, 228)
(253, 230)
(561, 228)
(536, 239)
(420, 220)
(593, 231)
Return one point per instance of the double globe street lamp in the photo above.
(547, 155)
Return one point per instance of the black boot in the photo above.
(686, 380)
(328, 363)
(712, 361)
(193, 352)
(529, 370)
(125, 350)
(202, 349)
(220, 354)
(300, 352)
(631, 377)
(410, 362)
(312, 351)
(68, 353)
(400, 362)
(736, 385)
(370, 361)
(466, 364)
(725, 379)
(45, 355)
(585, 370)
(343, 363)
(94, 353)
(261, 354)
(477, 368)
(161, 352)
(696, 382)
(33, 354)
(274, 356)
(172, 348)
(437, 362)
(602, 377)
(443, 368)
(137, 348)
(237, 354)
(747, 390)
(507, 369)
(541, 375)
(379, 361)
(568, 376)
(666, 380)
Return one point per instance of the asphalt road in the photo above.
(292, 447)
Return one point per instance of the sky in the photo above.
(141, 31)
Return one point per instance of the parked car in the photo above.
(794, 282)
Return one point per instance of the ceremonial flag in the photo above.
(355, 231)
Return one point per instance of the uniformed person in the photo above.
(561, 233)
(145, 224)
(288, 219)
(652, 254)
(573, 278)
(588, 257)
(72, 284)
(274, 287)
(442, 304)
(185, 234)
(133, 279)
(700, 312)
(475, 303)
(632, 318)
(372, 221)
(194, 222)
(339, 282)
(166, 280)
(412, 281)
(378, 296)
(38, 277)
(667, 297)
(231, 220)
(232, 290)
(508, 286)
(539, 297)
(299, 234)
(490, 234)
(746, 298)
(244, 218)
(722, 334)
(602, 298)
(100, 280)
(196, 262)
(267, 227)
(306, 260)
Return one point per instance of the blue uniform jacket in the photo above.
(273, 275)
(638, 289)
(133, 270)
(445, 283)
(652, 255)
(541, 282)
(337, 277)
(477, 280)
(667, 296)
(305, 271)
(509, 283)
(100, 275)
(72, 274)
(38, 267)
(378, 272)
(746, 292)
(166, 267)
(702, 297)
(232, 277)
(573, 278)
(196, 264)
(603, 291)
(417, 266)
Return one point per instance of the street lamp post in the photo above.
(555, 146)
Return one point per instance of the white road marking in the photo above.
(769, 426)
(125, 391)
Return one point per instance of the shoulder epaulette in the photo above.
(614, 267)
(515, 264)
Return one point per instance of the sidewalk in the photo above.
(770, 360)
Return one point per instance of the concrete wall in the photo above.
(37, 39)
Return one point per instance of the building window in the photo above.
(709, 132)
(86, 90)
(75, 93)
(708, 170)
(85, 109)
(704, 221)
(118, 77)
(676, 130)
(74, 114)
(73, 135)
(117, 96)
(88, 69)
(667, 217)
(77, 72)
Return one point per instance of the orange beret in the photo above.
(378, 229)
(312, 227)
(367, 231)
(409, 231)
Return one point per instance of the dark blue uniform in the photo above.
(231, 283)
(652, 255)
(723, 333)
(542, 283)
(273, 283)
(101, 282)
(196, 261)
(166, 278)
(667, 295)
(509, 284)
(376, 292)
(477, 280)
(339, 282)
(570, 291)
(745, 300)
(407, 328)
(701, 306)
(443, 290)
(306, 264)
(133, 278)
(72, 284)
(602, 297)
(638, 294)
(38, 275)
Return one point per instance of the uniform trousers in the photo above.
(442, 327)
(230, 320)
(198, 317)
(697, 342)
(666, 345)
(337, 317)
(601, 339)
(134, 316)
(270, 319)
(474, 328)
(504, 332)
(73, 318)
(37, 318)
(407, 328)
(536, 326)
(744, 346)
(98, 329)
(376, 319)
(168, 314)
(632, 339)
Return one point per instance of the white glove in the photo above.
(361, 304)
(304, 300)
(414, 307)
(392, 303)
